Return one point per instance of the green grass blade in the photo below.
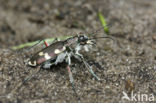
(103, 22)
(35, 42)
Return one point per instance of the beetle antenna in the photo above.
(103, 37)
(94, 32)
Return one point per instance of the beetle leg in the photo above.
(71, 79)
(35, 44)
(55, 40)
(70, 76)
(77, 49)
(68, 59)
(31, 75)
(46, 44)
(87, 65)
(47, 64)
(96, 64)
(60, 58)
(25, 80)
(91, 70)
(77, 57)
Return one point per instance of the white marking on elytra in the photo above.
(64, 48)
(32, 64)
(57, 51)
(41, 53)
(47, 57)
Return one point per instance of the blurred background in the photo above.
(29, 20)
(128, 66)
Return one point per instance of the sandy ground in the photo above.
(129, 66)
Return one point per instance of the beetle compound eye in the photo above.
(83, 38)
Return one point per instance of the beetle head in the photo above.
(86, 43)
(84, 40)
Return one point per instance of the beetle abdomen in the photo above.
(47, 53)
(40, 58)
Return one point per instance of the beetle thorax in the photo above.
(71, 41)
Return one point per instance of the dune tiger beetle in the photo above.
(60, 51)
